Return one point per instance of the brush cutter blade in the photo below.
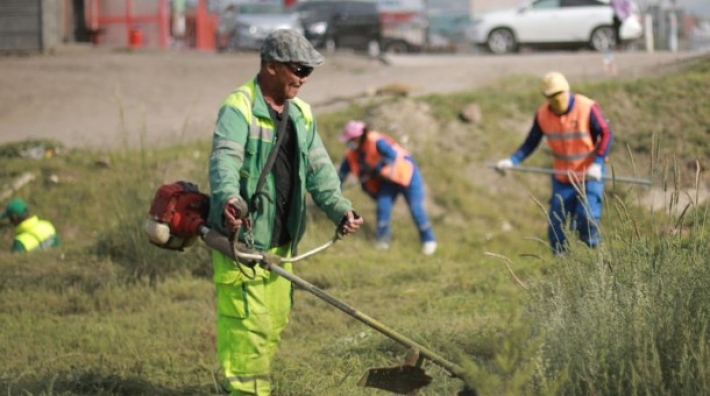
(402, 380)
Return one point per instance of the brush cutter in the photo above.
(177, 217)
(405, 379)
(619, 179)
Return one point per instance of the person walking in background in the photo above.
(31, 233)
(622, 10)
(385, 170)
(579, 139)
(266, 155)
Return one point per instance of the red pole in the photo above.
(204, 27)
(163, 23)
(91, 13)
(94, 15)
(129, 22)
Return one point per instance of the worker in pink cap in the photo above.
(386, 170)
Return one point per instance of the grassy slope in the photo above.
(110, 313)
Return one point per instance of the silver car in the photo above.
(245, 26)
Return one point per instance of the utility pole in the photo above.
(426, 40)
(673, 28)
(648, 32)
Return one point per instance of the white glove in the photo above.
(503, 165)
(594, 172)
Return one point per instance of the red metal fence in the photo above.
(146, 23)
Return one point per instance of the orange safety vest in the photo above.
(400, 171)
(569, 136)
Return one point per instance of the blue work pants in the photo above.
(582, 211)
(414, 195)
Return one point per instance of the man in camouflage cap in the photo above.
(266, 155)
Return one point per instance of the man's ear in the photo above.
(271, 68)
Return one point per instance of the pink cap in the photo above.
(351, 130)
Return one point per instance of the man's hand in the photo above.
(594, 172)
(503, 165)
(235, 214)
(351, 222)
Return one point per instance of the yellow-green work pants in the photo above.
(251, 313)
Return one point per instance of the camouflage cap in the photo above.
(286, 45)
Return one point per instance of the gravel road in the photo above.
(101, 99)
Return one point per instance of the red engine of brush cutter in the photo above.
(176, 214)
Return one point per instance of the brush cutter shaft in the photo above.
(219, 242)
(452, 368)
(620, 179)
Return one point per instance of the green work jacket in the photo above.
(34, 234)
(243, 138)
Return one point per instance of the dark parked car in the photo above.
(246, 25)
(341, 24)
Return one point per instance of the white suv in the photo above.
(555, 23)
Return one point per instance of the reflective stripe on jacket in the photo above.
(35, 234)
(243, 139)
(569, 136)
(399, 171)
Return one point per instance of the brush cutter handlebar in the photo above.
(221, 243)
(242, 253)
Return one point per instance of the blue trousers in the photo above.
(582, 211)
(414, 195)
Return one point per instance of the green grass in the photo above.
(108, 313)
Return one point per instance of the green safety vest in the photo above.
(243, 139)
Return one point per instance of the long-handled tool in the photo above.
(405, 379)
(177, 218)
(619, 179)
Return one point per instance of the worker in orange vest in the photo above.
(579, 139)
(386, 170)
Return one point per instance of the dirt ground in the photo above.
(103, 99)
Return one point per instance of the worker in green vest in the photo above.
(31, 233)
(267, 157)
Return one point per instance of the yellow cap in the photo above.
(554, 82)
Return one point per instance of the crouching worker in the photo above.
(266, 156)
(385, 171)
(31, 233)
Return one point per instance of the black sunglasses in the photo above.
(299, 70)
